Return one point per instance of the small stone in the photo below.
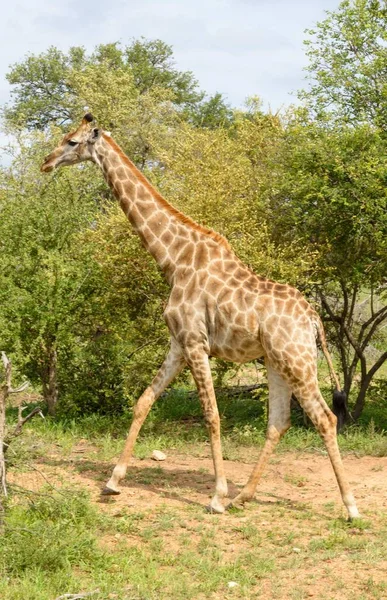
(158, 455)
(232, 584)
(297, 550)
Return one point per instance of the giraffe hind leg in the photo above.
(325, 422)
(278, 424)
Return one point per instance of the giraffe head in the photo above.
(75, 147)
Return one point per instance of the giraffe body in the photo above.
(217, 307)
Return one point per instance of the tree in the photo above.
(332, 197)
(47, 88)
(80, 301)
(211, 113)
(45, 276)
(348, 64)
(218, 177)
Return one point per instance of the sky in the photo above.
(240, 48)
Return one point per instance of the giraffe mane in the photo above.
(171, 209)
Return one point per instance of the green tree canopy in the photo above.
(331, 197)
(348, 64)
(47, 88)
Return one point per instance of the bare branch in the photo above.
(382, 359)
(18, 429)
(5, 390)
(19, 389)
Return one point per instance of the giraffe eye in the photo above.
(72, 143)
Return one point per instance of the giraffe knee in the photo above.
(277, 429)
(275, 433)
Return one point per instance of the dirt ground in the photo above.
(301, 485)
(298, 478)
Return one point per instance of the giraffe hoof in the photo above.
(109, 492)
(238, 503)
(215, 510)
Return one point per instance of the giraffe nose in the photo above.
(45, 168)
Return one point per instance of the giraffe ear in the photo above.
(95, 134)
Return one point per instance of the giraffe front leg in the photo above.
(200, 368)
(170, 368)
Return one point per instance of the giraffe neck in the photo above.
(161, 227)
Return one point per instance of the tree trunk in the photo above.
(50, 382)
(3, 488)
(361, 397)
(353, 334)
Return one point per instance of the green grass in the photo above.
(176, 422)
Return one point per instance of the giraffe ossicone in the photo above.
(217, 307)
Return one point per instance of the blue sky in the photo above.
(237, 47)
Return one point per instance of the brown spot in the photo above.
(129, 188)
(241, 274)
(229, 266)
(158, 222)
(183, 274)
(271, 324)
(172, 320)
(268, 285)
(251, 321)
(159, 252)
(167, 238)
(177, 295)
(240, 320)
(118, 189)
(214, 286)
(147, 209)
(114, 160)
(298, 372)
(143, 194)
(224, 295)
(121, 173)
(252, 283)
(216, 267)
(191, 288)
(239, 298)
(136, 217)
(215, 251)
(186, 255)
(202, 278)
(201, 256)
(177, 245)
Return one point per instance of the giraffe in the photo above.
(217, 307)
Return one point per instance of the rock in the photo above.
(158, 455)
(232, 584)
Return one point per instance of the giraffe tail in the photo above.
(339, 405)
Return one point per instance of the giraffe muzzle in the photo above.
(47, 168)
